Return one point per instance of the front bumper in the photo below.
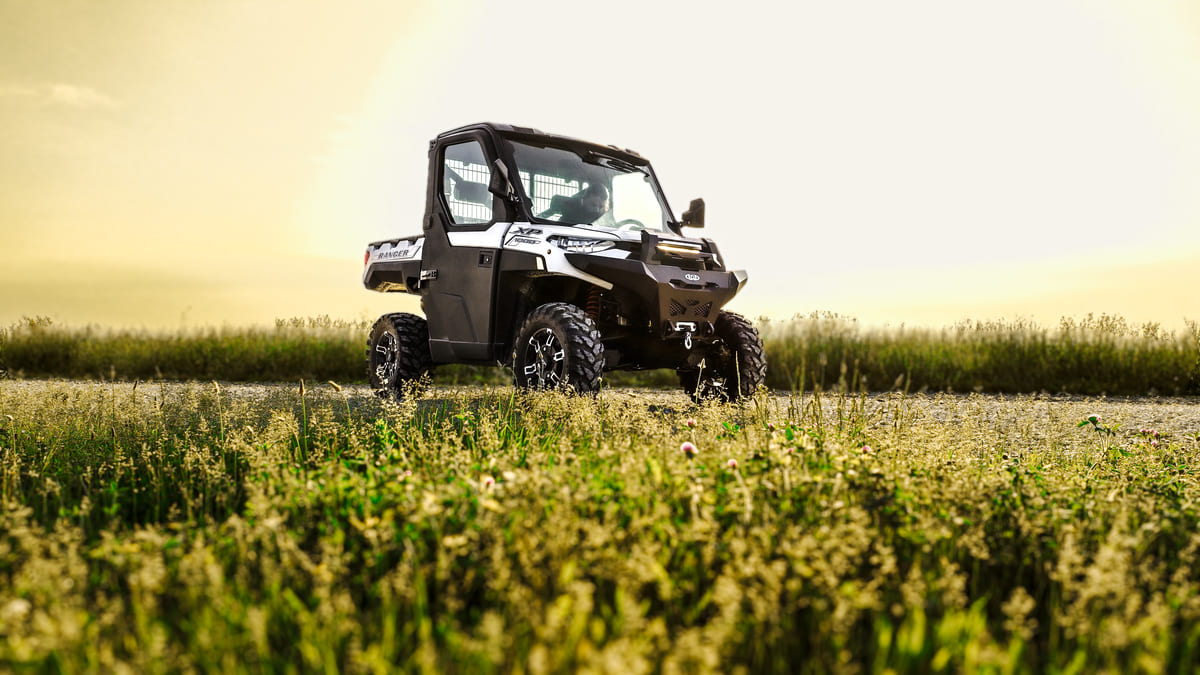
(678, 301)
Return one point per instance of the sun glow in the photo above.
(905, 162)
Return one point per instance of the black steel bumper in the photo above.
(677, 300)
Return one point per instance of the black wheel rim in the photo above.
(714, 387)
(713, 382)
(387, 358)
(710, 386)
(545, 360)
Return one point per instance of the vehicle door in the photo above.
(462, 246)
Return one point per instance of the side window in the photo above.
(465, 178)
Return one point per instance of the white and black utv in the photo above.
(560, 259)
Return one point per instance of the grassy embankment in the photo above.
(155, 528)
(1092, 356)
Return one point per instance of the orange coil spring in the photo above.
(593, 304)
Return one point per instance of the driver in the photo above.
(586, 207)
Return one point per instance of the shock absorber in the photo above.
(593, 304)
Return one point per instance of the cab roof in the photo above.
(538, 136)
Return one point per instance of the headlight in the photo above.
(582, 245)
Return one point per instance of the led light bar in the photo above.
(680, 248)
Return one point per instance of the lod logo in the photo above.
(692, 277)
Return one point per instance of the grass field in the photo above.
(178, 527)
(1092, 355)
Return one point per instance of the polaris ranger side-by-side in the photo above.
(560, 259)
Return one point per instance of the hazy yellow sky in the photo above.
(169, 162)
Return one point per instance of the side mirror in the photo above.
(694, 216)
(500, 185)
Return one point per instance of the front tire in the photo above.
(734, 367)
(398, 354)
(559, 346)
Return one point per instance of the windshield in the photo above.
(590, 189)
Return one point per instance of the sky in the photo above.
(169, 163)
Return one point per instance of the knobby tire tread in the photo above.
(414, 359)
(585, 348)
(743, 373)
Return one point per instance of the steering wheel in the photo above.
(630, 224)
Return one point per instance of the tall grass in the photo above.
(177, 528)
(314, 349)
(1094, 356)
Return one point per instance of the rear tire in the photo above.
(559, 346)
(398, 354)
(734, 367)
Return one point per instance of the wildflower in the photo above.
(487, 481)
(866, 450)
(15, 610)
(690, 422)
(1154, 443)
(1094, 418)
(732, 464)
(771, 426)
(688, 449)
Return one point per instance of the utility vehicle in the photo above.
(559, 259)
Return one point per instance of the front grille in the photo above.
(689, 307)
